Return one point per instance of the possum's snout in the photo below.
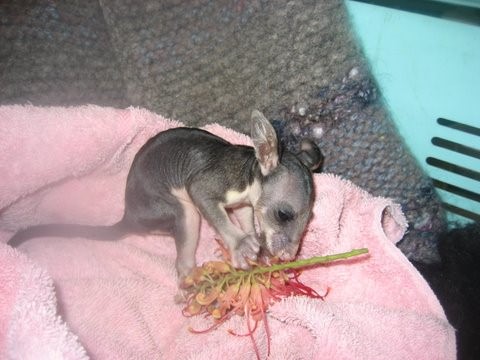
(282, 246)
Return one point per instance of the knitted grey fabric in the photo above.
(57, 53)
(214, 61)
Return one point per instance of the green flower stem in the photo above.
(248, 275)
(302, 263)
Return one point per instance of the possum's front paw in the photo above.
(247, 248)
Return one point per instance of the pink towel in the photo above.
(70, 165)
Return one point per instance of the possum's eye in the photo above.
(284, 215)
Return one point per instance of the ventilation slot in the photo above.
(456, 165)
(456, 169)
(459, 126)
(453, 146)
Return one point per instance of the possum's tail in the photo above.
(105, 233)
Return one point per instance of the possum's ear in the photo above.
(310, 155)
(265, 142)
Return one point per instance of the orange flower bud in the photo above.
(193, 308)
(206, 299)
(198, 275)
(187, 282)
(218, 267)
(216, 313)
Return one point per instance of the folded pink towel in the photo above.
(70, 165)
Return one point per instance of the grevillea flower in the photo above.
(218, 290)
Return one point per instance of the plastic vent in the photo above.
(457, 165)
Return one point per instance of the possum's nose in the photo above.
(283, 247)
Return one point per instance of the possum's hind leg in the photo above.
(186, 233)
(168, 211)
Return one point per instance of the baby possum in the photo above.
(183, 174)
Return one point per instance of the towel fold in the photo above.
(70, 165)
